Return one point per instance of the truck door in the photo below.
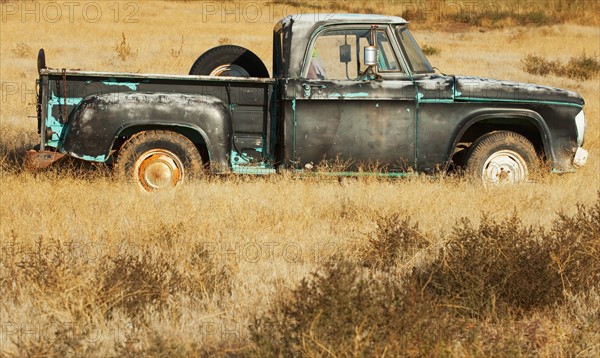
(348, 117)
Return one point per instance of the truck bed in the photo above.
(248, 101)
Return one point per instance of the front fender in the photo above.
(99, 119)
(506, 113)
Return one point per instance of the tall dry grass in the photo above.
(90, 266)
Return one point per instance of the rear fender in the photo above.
(99, 120)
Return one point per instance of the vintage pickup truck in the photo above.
(351, 90)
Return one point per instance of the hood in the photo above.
(477, 88)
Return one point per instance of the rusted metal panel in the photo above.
(40, 159)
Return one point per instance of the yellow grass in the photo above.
(269, 232)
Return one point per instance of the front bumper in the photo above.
(580, 158)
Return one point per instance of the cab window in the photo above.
(338, 54)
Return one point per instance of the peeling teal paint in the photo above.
(419, 96)
(71, 101)
(243, 166)
(432, 100)
(348, 95)
(477, 99)
(377, 105)
(356, 95)
(359, 174)
(58, 129)
(113, 82)
(101, 158)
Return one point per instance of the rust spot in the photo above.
(40, 159)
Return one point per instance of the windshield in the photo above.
(417, 61)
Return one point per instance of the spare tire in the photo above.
(231, 61)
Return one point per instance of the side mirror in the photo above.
(345, 54)
(370, 55)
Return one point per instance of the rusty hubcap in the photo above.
(230, 70)
(158, 169)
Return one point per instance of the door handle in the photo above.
(307, 87)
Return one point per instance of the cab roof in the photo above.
(315, 18)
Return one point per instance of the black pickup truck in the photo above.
(349, 93)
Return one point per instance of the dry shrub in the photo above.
(494, 268)
(504, 267)
(431, 50)
(582, 67)
(395, 241)
(123, 49)
(576, 248)
(486, 290)
(133, 282)
(130, 281)
(224, 41)
(22, 50)
(176, 53)
(344, 310)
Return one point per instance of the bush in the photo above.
(582, 67)
(575, 253)
(396, 240)
(504, 267)
(494, 268)
(134, 282)
(481, 295)
(429, 50)
(344, 310)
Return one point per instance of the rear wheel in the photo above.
(158, 160)
(501, 157)
(231, 61)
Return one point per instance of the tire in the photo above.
(231, 61)
(501, 157)
(158, 160)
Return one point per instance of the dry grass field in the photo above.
(243, 266)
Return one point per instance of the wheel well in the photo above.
(522, 126)
(191, 134)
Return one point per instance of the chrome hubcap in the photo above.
(504, 167)
(158, 169)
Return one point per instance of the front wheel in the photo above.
(158, 160)
(501, 157)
